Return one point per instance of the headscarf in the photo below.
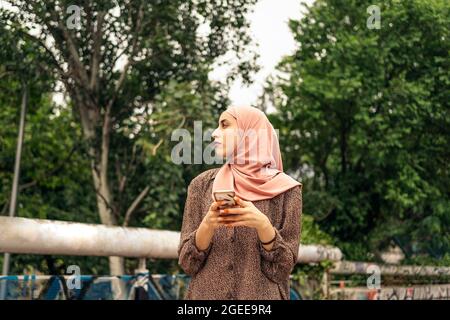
(255, 171)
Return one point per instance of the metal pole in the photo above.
(14, 191)
(38, 236)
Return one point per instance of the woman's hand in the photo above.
(245, 214)
(211, 219)
(206, 229)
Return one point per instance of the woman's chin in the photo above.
(219, 154)
(223, 154)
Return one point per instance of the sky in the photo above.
(269, 29)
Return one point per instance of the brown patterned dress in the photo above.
(236, 266)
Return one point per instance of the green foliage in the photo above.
(310, 277)
(363, 120)
(426, 260)
(164, 86)
(312, 234)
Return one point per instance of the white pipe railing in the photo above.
(355, 267)
(34, 236)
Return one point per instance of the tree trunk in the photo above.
(99, 169)
(116, 264)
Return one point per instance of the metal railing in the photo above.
(34, 236)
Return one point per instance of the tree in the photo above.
(54, 173)
(115, 60)
(363, 115)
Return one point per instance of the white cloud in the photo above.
(269, 28)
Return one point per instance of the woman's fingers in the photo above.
(228, 219)
(215, 205)
(215, 220)
(234, 217)
(233, 211)
(241, 202)
(236, 224)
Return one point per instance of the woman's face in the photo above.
(226, 135)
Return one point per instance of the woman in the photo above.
(249, 250)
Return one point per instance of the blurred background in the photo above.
(359, 92)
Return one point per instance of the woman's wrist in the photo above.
(266, 232)
(204, 235)
(206, 227)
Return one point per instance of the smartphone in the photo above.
(227, 196)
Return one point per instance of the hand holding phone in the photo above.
(225, 195)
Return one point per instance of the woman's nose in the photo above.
(215, 133)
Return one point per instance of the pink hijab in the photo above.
(255, 171)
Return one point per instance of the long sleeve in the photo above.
(190, 258)
(277, 264)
